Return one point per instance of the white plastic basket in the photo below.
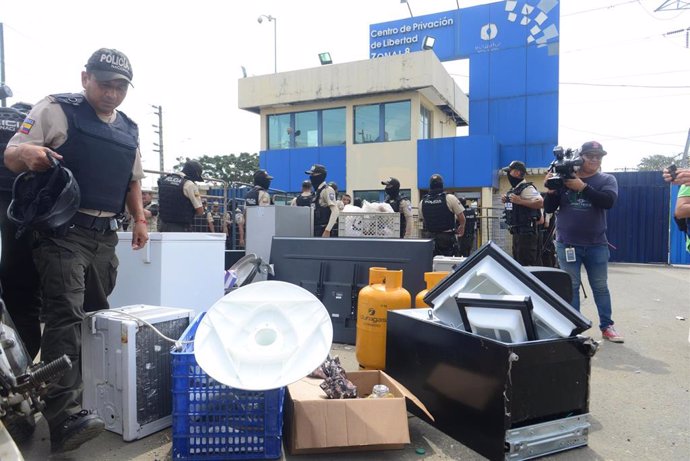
(369, 225)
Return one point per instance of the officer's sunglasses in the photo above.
(593, 157)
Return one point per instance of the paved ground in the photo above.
(640, 390)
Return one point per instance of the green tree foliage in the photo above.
(230, 168)
(655, 162)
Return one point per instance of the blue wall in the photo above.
(287, 166)
(638, 224)
(468, 161)
(514, 61)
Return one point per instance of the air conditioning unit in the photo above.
(126, 367)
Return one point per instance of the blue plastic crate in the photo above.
(211, 421)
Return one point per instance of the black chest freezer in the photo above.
(504, 400)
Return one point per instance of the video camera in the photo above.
(562, 167)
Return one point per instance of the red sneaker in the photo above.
(612, 335)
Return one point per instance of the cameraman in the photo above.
(581, 230)
(523, 205)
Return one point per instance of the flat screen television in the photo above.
(335, 269)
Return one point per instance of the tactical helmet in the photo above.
(192, 170)
(436, 181)
(333, 186)
(44, 200)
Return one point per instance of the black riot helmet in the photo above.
(262, 179)
(392, 187)
(44, 200)
(436, 182)
(192, 170)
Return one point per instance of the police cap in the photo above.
(262, 174)
(515, 165)
(316, 169)
(392, 182)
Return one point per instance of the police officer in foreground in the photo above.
(258, 196)
(467, 240)
(100, 145)
(439, 212)
(325, 207)
(400, 204)
(179, 199)
(306, 197)
(21, 288)
(523, 204)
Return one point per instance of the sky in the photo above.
(624, 80)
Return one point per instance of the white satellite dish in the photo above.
(263, 336)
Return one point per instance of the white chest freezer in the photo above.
(175, 269)
(127, 367)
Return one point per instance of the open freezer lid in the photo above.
(491, 271)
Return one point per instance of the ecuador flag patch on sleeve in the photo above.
(27, 124)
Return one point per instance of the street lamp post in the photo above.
(275, 38)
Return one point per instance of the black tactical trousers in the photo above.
(525, 248)
(466, 243)
(77, 270)
(21, 289)
(445, 243)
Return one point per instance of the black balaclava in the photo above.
(392, 188)
(263, 182)
(514, 181)
(316, 179)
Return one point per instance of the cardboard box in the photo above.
(316, 424)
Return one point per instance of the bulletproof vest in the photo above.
(252, 197)
(10, 121)
(321, 213)
(217, 222)
(100, 155)
(304, 200)
(395, 204)
(470, 220)
(518, 215)
(437, 216)
(173, 205)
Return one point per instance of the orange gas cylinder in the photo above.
(384, 292)
(431, 279)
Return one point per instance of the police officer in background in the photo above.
(218, 219)
(306, 197)
(21, 288)
(325, 207)
(400, 204)
(439, 211)
(523, 204)
(339, 203)
(258, 196)
(467, 239)
(100, 145)
(179, 199)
